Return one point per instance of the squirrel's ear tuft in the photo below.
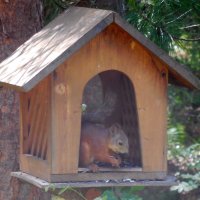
(117, 125)
(114, 128)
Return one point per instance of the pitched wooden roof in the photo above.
(44, 51)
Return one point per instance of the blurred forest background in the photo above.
(174, 25)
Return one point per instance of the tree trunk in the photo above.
(19, 19)
(116, 5)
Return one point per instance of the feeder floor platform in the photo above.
(169, 181)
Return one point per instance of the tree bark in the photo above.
(19, 20)
(115, 5)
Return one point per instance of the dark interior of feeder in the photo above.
(109, 98)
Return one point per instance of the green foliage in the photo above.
(186, 159)
(51, 10)
(83, 107)
(69, 188)
(52, 187)
(56, 198)
(122, 193)
(166, 22)
(176, 138)
(188, 182)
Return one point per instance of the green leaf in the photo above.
(63, 190)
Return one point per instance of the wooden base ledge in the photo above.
(169, 181)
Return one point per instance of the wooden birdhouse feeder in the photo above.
(90, 66)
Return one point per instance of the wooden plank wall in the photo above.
(113, 49)
(35, 120)
(66, 112)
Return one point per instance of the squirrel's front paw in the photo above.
(115, 161)
(93, 167)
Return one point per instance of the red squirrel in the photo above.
(100, 144)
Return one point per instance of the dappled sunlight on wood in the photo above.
(41, 52)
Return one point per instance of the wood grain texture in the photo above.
(55, 178)
(111, 169)
(35, 130)
(43, 52)
(35, 167)
(113, 49)
(168, 181)
(51, 111)
(179, 73)
(66, 119)
(35, 119)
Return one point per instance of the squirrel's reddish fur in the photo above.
(102, 145)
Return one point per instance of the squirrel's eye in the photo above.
(120, 143)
